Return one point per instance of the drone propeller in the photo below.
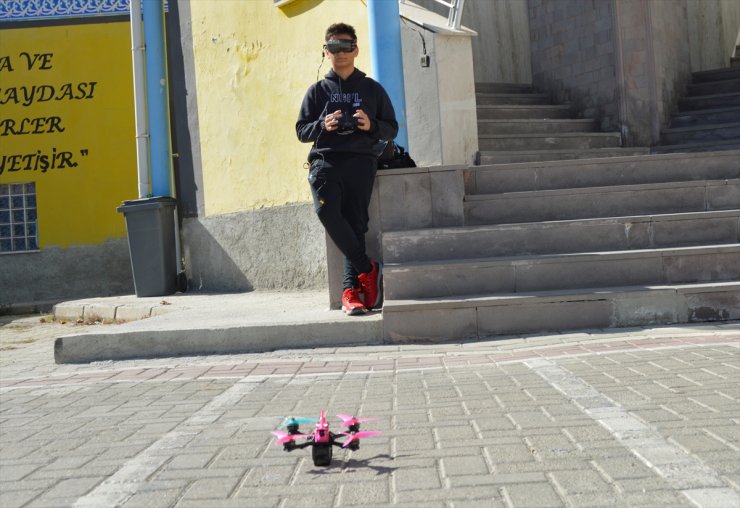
(358, 435)
(348, 421)
(289, 420)
(284, 437)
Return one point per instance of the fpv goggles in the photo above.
(340, 46)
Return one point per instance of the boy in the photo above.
(344, 115)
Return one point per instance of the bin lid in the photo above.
(137, 205)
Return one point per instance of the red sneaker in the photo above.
(371, 285)
(351, 303)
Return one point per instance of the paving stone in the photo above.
(365, 493)
(531, 495)
(508, 453)
(575, 483)
(464, 466)
(497, 479)
(72, 488)
(17, 498)
(211, 488)
(190, 461)
(459, 495)
(411, 479)
(255, 502)
(260, 478)
(414, 443)
(620, 468)
(650, 498)
(155, 499)
(11, 473)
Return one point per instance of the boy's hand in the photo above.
(363, 122)
(331, 121)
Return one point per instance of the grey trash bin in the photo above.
(150, 225)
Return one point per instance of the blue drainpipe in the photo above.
(386, 57)
(158, 104)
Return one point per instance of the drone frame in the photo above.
(322, 439)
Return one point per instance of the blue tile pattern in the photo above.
(32, 10)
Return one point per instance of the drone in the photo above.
(322, 440)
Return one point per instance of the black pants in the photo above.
(341, 185)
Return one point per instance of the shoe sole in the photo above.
(355, 312)
(379, 282)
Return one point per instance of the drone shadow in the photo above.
(351, 465)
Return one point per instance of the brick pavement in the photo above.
(607, 418)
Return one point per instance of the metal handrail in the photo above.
(454, 19)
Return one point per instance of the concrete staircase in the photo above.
(709, 115)
(563, 245)
(517, 124)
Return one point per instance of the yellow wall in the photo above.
(76, 205)
(253, 65)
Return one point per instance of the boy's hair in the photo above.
(340, 29)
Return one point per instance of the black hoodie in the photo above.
(356, 92)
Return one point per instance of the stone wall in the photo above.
(713, 32)
(273, 248)
(624, 62)
(56, 274)
(672, 55)
(574, 56)
(501, 51)
(652, 40)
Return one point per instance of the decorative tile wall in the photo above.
(28, 10)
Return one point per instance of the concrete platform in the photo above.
(200, 323)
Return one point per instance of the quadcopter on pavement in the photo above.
(322, 440)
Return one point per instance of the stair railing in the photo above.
(454, 18)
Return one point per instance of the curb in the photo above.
(259, 338)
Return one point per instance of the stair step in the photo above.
(523, 111)
(524, 156)
(593, 202)
(701, 133)
(600, 172)
(486, 316)
(715, 75)
(528, 142)
(714, 87)
(709, 101)
(562, 237)
(706, 146)
(679, 265)
(535, 126)
(493, 99)
(516, 88)
(706, 116)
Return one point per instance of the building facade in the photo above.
(237, 74)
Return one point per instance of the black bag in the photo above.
(394, 156)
